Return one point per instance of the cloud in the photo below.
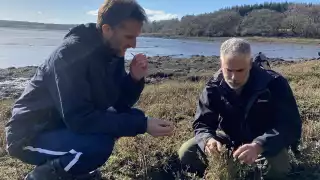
(157, 15)
(39, 12)
(153, 15)
(93, 12)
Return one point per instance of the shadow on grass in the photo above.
(172, 170)
(304, 170)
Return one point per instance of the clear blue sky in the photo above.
(82, 11)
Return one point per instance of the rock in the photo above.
(12, 89)
(23, 72)
(194, 78)
(276, 59)
(160, 75)
(11, 68)
(178, 70)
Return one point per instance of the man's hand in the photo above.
(139, 67)
(213, 146)
(158, 127)
(248, 153)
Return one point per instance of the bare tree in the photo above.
(303, 20)
(223, 23)
(263, 22)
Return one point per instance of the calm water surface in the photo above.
(23, 47)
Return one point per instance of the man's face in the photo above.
(122, 37)
(236, 70)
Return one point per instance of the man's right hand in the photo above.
(158, 127)
(213, 146)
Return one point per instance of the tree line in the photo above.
(267, 19)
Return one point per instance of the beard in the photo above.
(238, 85)
(234, 85)
(120, 52)
(114, 47)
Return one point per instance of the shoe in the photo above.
(52, 171)
(48, 171)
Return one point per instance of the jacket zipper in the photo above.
(244, 127)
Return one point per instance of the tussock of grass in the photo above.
(145, 157)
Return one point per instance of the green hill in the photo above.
(267, 19)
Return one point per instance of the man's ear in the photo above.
(107, 31)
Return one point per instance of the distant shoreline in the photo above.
(35, 29)
(34, 25)
(295, 40)
(66, 27)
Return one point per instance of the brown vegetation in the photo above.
(144, 157)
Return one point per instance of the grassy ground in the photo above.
(144, 157)
(295, 40)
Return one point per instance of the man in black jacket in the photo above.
(80, 99)
(245, 107)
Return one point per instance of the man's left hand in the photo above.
(248, 153)
(139, 67)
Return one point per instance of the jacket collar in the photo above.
(258, 80)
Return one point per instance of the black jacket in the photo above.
(74, 88)
(266, 112)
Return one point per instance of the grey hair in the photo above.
(235, 47)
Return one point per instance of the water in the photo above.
(20, 47)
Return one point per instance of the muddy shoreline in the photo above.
(13, 80)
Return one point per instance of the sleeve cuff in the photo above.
(202, 140)
(261, 141)
(135, 81)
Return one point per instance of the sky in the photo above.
(84, 11)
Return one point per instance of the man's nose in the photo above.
(233, 76)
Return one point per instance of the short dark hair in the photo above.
(114, 12)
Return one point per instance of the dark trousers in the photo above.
(77, 153)
(192, 156)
